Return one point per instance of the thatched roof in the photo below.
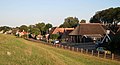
(88, 29)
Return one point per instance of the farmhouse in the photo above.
(87, 32)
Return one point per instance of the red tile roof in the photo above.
(61, 30)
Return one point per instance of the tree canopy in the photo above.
(83, 21)
(43, 27)
(35, 31)
(111, 15)
(39, 28)
(46, 28)
(70, 22)
(23, 27)
(5, 28)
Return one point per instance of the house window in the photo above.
(106, 39)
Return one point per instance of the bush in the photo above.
(54, 36)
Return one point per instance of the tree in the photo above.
(65, 25)
(5, 28)
(70, 22)
(83, 21)
(54, 36)
(111, 15)
(115, 43)
(31, 26)
(41, 27)
(35, 31)
(47, 26)
(23, 27)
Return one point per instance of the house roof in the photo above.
(118, 30)
(61, 30)
(94, 36)
(88, 29)
(52, 29)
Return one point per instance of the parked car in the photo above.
(103, 50)
(55, 42)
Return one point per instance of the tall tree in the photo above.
(35, 31)
(83, 21)
(111, 15)
(47, 26)
(70, 22)
(41, 27)
(5, 28)
(23, 27)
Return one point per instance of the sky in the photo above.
(28, 12)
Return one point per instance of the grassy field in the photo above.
(17, 51)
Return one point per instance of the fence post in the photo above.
(51, 44)
(55, 45)
(98, 53)
(65, 47)
(86, 51)
(77, 49)
(72, 48)
(112, 56)
(104, 54)
(59, 45)
(92, 52)
(81, 50)
(69, 47)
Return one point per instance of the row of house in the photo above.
(63, 32)
(85, 33)
(7, 32)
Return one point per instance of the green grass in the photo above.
(24, 52)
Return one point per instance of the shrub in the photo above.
(54, 36)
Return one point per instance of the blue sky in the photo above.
(19, 12)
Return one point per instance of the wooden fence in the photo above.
(83, 51)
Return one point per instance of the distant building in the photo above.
(56, 30)
(1, 31)
(21, 34)
(63, 32)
